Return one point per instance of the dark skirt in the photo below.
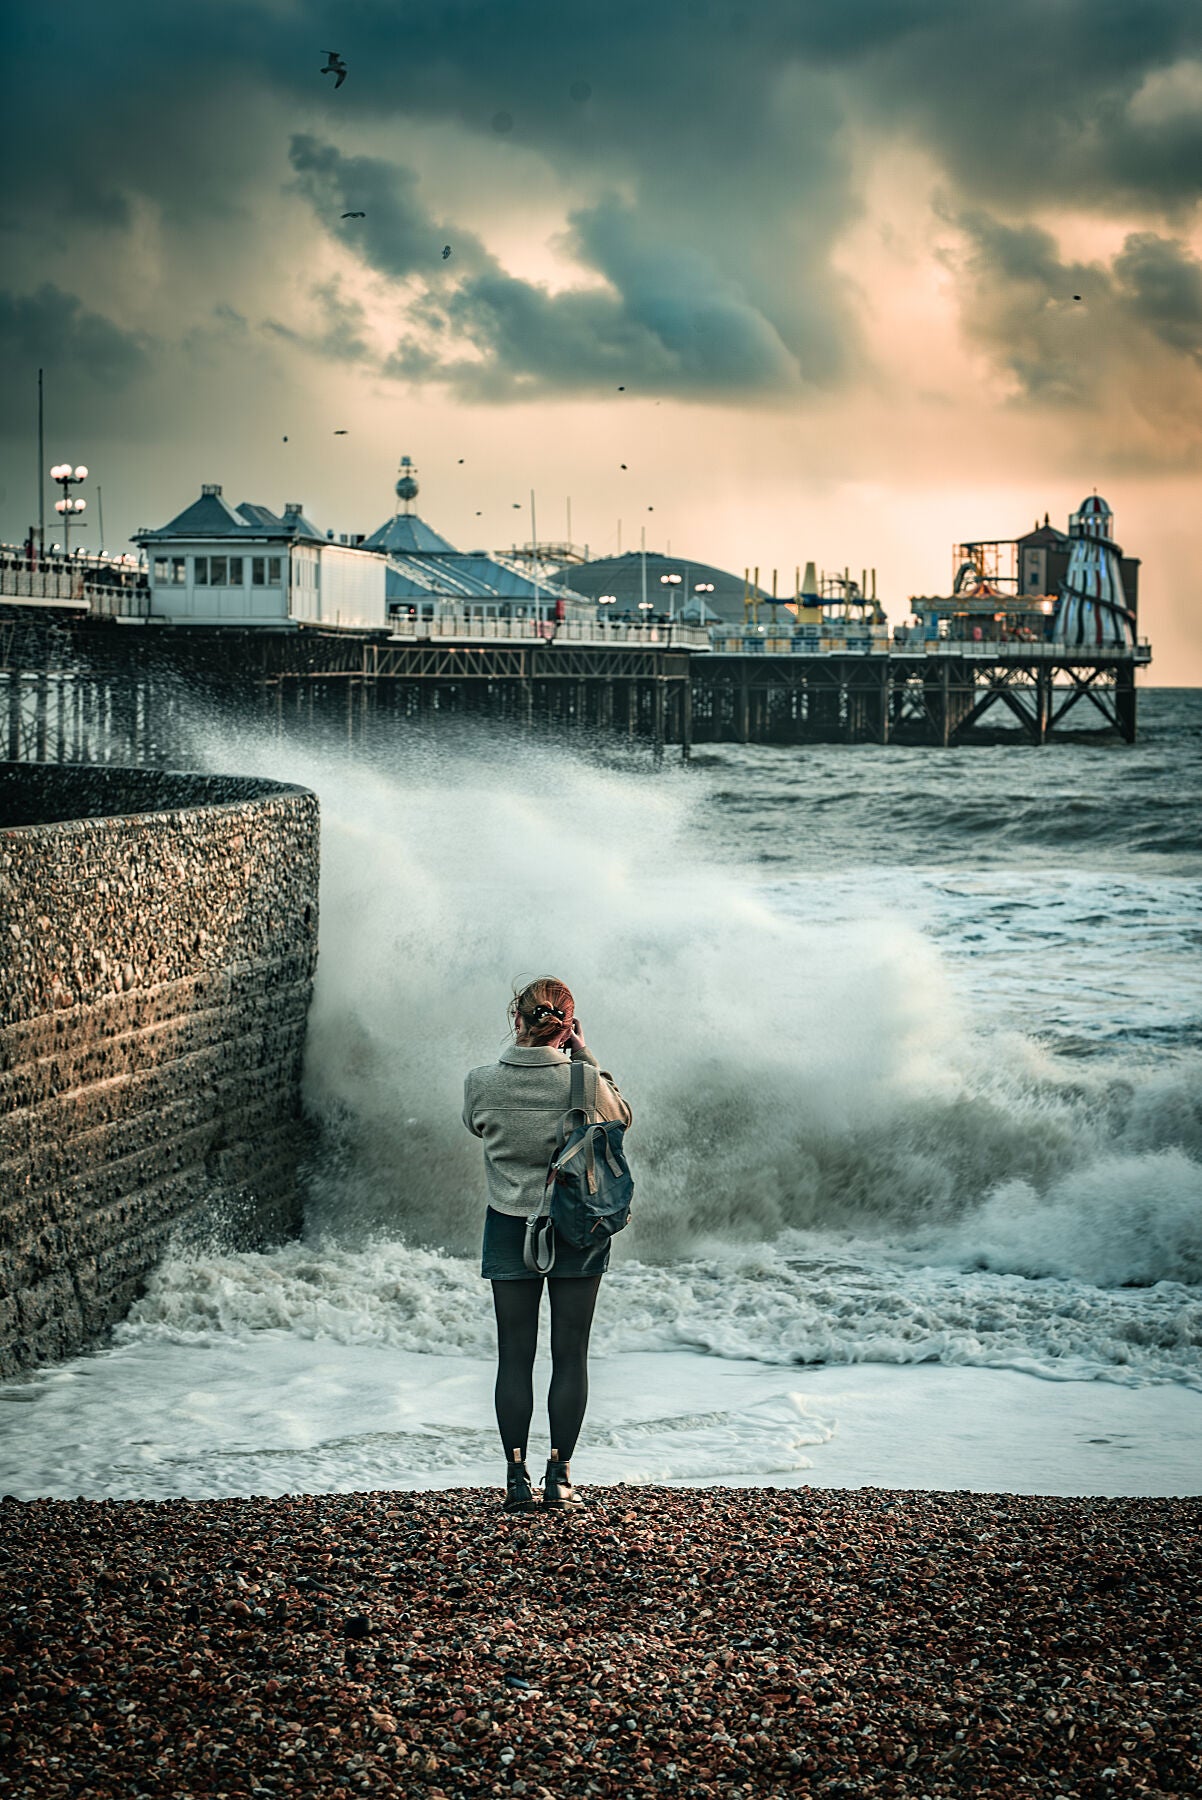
(504, 1241)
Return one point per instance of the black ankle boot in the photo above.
(519, 1495)
(557, 1485)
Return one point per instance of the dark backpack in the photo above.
(586, 1197)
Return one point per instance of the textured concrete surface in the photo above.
(158, 936)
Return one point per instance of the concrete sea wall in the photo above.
(158, 937)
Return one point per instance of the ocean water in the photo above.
(914, 1044)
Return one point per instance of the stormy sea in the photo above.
(913, 1040)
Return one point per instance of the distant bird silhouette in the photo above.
(446, 251)
(621, 465)
(461, 459)
(354, 215)
(335, 66)
(621, 390)
(1076, 296)
(340, 432)
(285, 440)
(517, 506)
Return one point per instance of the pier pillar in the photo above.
(945, 703)
(1125, 700)
(1043, 702)
(686, 718)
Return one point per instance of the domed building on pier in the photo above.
(427, 577)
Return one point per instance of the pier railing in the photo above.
(104, 586)
(974, 650)
(550, 631)
(1049, 650)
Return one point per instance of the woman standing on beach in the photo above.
(516, 1105)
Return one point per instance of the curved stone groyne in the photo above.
(158, 936)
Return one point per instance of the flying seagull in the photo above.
(340, 431)
(1076, 296)
(621, 465)
(461, 459)
(354, 215)
(446, 251)
(335, 66)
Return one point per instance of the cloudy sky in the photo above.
(809, 268)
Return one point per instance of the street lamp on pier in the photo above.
(67, 477)
(671, 582)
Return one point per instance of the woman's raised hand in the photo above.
(574, 1039)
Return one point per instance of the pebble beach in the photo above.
(696, 1642)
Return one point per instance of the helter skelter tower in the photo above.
(1092, 610)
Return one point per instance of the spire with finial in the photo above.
(406, 487)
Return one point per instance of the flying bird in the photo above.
(621, 390)
(446, 251)
(621, 465)
(461, 459)
(340, 431)
(1076, 296)
(335, 66)
(285, 440)
(354, 215)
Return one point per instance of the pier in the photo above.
(936, 694)
(77, 688)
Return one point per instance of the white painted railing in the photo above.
(550, 631)
(106, 588)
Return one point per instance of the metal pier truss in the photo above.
(80, 691)
(937, 697)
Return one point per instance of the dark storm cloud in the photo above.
(1060, 329)
(1162, 285)
(55, 330)
(731, 130)
(396, 235)
(664, 320)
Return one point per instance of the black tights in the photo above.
(517, 1302)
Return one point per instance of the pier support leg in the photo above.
(686, 718)
(41, 717)
(1125, 700)
(945, 704)
(1043, 703)
(14, 716)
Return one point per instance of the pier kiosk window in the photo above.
(170, 571)
(265, 571)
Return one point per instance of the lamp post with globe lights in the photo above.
(67, 477)
(671, 582)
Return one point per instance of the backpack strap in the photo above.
(580, 1101)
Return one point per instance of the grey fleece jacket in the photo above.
(516, 1105)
